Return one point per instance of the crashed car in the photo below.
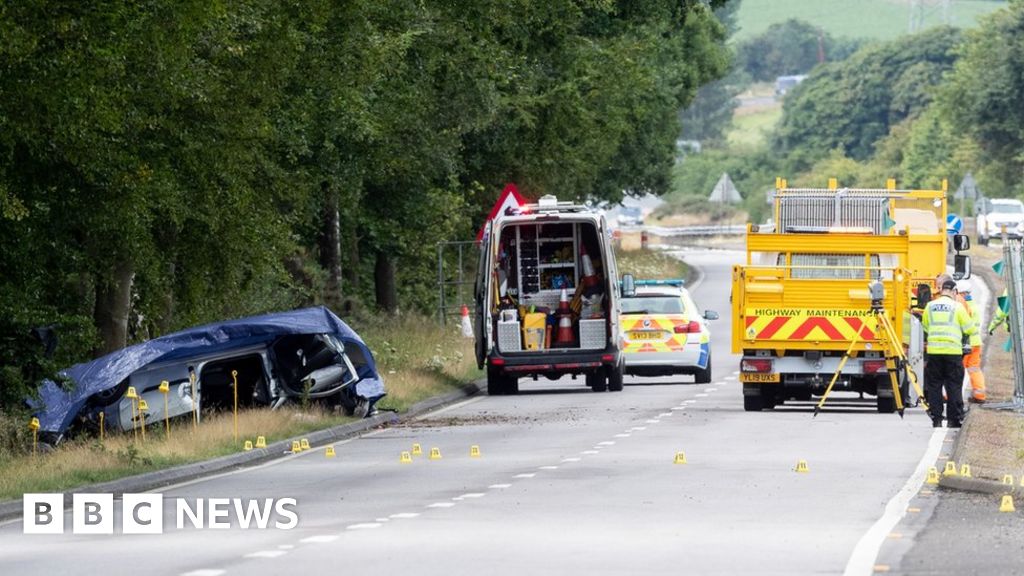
(307, 354)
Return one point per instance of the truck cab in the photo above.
(547, 298)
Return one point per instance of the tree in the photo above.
(982, 95)
(852, 104)
(790, 47)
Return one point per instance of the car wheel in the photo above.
(615, 377)
(597, 381)
(753, 403)
(704, 376)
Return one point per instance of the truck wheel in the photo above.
(886, 404)
(769, 397)
(704, 376)
(596, 381)
(615, 376)
(753, 403)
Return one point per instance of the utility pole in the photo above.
(921, 9)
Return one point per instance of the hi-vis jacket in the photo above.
(946, 322)
(975, 314)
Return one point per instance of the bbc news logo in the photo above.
(144, 513)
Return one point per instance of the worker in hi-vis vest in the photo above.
(946, 324)
(972, 361)
(1001, 317)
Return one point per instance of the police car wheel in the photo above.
(704, 376)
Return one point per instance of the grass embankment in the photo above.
(417, 358)
(651, 265)
(994, 442)
(876, 19)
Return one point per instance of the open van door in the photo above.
(482, 290)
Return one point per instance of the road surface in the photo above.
(568, 482)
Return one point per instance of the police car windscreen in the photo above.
(652, 305)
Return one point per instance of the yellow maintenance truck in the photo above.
(802, 297)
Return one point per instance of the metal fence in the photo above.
(1013, 273)
(456, 275)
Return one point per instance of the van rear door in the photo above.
(482, 292)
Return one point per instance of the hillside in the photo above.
(878, 19)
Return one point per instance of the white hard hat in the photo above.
(963, 286)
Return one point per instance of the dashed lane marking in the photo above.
(469, 495)
(547, 468)
(664, 415)
(623, 435)
(700, 395)
(441, 505)
(322, 539)
(363, 526)
(590, 452)
(525, 475)
(571, 459)
(606, 443)
(266, 554)
(676, 408)
(711, 389)
(652, 421)
(404, 515)
(639, 428)
(499, 486)
(204, 572)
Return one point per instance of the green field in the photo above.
(751, 128)
(880, 19)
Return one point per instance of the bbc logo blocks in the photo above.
(93, 514)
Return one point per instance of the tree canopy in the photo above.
(177, 161)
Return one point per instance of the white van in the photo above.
(547, 298)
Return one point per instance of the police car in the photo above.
(663, 333)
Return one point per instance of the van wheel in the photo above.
(596, 381)
(497, 383)
(615, 377)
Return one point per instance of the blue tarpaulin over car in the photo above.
(57, 408)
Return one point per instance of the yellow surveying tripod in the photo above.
(895, 359)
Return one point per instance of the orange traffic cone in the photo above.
(590, 278)
(467, 326)
(564, 337)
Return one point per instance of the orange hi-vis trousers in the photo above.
(972, 365)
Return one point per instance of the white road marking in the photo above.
(381, 520)
(204, 572)
(572, 459)
(664, 415)
(623, 435)
(286, 546)
(679, 408)
(266, 554)
(652, 421)
(364, 525)
(639, 428)
(322, 539)
(691, 401)
(700, 395)
(711, 389)
(862, 560)
(590, 452)
(470, 495)
(441, 505)
(547, 468)
(606, 443)
(405, 515)
(525, 475)
(499, 486)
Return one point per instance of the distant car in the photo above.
(663, 333)
(631, 216)
(1000, 213)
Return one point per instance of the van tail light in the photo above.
(873, 366)
(691, 328)
(756, 365)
